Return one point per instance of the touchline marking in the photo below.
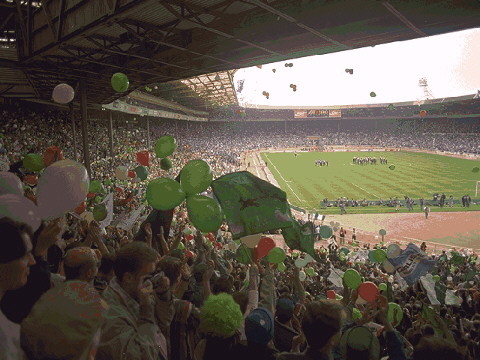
(254, 158)
(365, 190)
(294, 193)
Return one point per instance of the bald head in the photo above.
(81, 263)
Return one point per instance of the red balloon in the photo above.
(189, 237)
(30, 180)
(90, 195)
(211, 237)
(143, 157)
(132, 174)
(119, 189)
(219, 245)
(368, 291)
(423, 113)
(331, 295)
(264, 246)
(80, 209)
(189, 254)
(52, 154)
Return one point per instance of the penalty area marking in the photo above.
(294, 193)
(365, 190)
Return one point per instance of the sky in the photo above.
(450, 63)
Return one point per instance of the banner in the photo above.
(108, 202)
(317, 114)
(128, 220)
(412, 263)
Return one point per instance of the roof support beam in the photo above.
(403, 19)
(61, 17)
(48, 16)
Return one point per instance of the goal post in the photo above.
(477, 188)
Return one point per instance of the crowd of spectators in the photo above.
(72, 290)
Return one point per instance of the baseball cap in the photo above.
(259, 326)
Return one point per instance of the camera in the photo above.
(156, 279)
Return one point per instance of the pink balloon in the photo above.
(368, 291)
(62, 186)
(331, 295)
(20, 209)
(10, 184)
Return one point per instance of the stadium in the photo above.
(122, 119)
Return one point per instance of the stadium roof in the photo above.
(160, 41)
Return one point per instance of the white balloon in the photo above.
(20, 209)
(393, 251)
(302, 276)
(10, 184)
(251, 241)
(300, 263)
(62, 186)
(389, 268)
(121, 173)
(88, 216)
(63, 94)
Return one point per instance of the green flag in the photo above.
(251, 205)
(300, 237)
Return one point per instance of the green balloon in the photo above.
(356, 314)
(141, 172)
(166, 164)
(99, 212)
(382, 287)
(164, 194)
(392, 167)
(97, 199)
(244, 255)
(382, 232)
(475, 169)
(108, 182)
(391, 307)
(344, 251)
(165, 146)
(120, 82)
(276, 256)
(281, 267)
(196, 177)
(379, 255)
(436, 278)
(204, 212)
(181, 246)
(372, 94)
(352, 279)
(326, 232)
(310, 271)
(95, 187)
(33, 162)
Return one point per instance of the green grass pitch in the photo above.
(417, 175)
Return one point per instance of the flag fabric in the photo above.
(108, 202)
(336, 277)
(251, 205)
(412, 263)
(300, 237)
(428, 284)
(128, 220)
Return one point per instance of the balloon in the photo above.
(165, 146)
(244, 255)
(352, 279)
(81, 208)
(63, 94)
(281, 267)
(99, 212)
(131, 174)
(96, 187)
(436, 278)
(302, 276)
(251, 241)
(475, 169)
(276, 256)
(391, 309)
(368, 291)
(189, 237)
(309, 271)
(164, 194)
(382, 287)
(423, 113)
(379, 255)
(10, 184)
(181, 246)
(90, 195)
(392, 167)
(196, 177)
(120, 82)
(393, 251)
(356, 314)
(372, 94)
(342, 256)
(264, 246)
(300, 263)
(141, 172)
(331, 295)
(344, 251)
(88, 216)
(143, 158)
(51, 155)
(121, 173)
(382, 232)
(388, 267)
(187, 231)
(371, 256)
(19, 208)
(204, 212)
(62, 186)
(166, 164)
(33, 162)
(326, 232)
